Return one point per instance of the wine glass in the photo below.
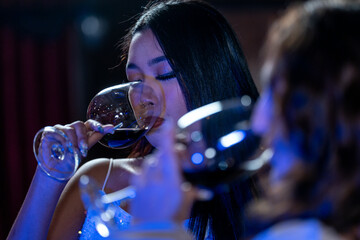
(107, 216)
(132, 108)
(55, 153)
(110, 220)
(220, 146)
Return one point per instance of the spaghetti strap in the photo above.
(107, 175)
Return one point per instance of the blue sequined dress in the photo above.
(88, 231)
(121, 218)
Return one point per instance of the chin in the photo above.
(154, 137)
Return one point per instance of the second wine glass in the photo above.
(219, 144)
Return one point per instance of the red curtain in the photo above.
(35, 76)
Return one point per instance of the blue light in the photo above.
(197, 158)
(102, 229)
(231, 139)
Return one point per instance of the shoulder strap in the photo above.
(108, 174)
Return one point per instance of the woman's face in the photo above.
(147, 63)
(266, 124)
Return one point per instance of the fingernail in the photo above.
(83, 148)
(100, 129)
(69, 147)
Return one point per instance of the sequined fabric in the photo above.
(121, 219)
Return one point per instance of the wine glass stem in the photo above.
(123, 194)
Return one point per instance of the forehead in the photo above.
(144, 43)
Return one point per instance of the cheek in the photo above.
(262, 115)
(283, 159)
(175, 107)
(175, 103)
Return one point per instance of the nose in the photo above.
(147, 96)
(142, 94)
(145, 100)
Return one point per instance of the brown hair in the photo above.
(314, 56)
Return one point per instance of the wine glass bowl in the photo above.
(217, 140)
(55, 154)
(131, 107)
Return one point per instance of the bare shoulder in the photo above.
(121, 172)
(96, 168)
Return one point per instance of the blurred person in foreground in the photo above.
(309, 115)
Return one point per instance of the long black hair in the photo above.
(205, 54)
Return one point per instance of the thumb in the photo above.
(168, 133)
(167, 158)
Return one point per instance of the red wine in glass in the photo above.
(219, 143)
(131, 107)
(122, 137)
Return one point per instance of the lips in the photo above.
(158, 121)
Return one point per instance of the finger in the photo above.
(96, 131)
(70, 133)
(82, 136)
(167, 158)
(168, 131)
(49, 139)
(98, 127)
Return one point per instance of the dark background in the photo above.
(56, 55)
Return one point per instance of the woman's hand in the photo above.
(83, 135)
(161, 194)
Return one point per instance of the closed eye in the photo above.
(166, 76)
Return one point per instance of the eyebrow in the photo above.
(150, 62)
(157, 60)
